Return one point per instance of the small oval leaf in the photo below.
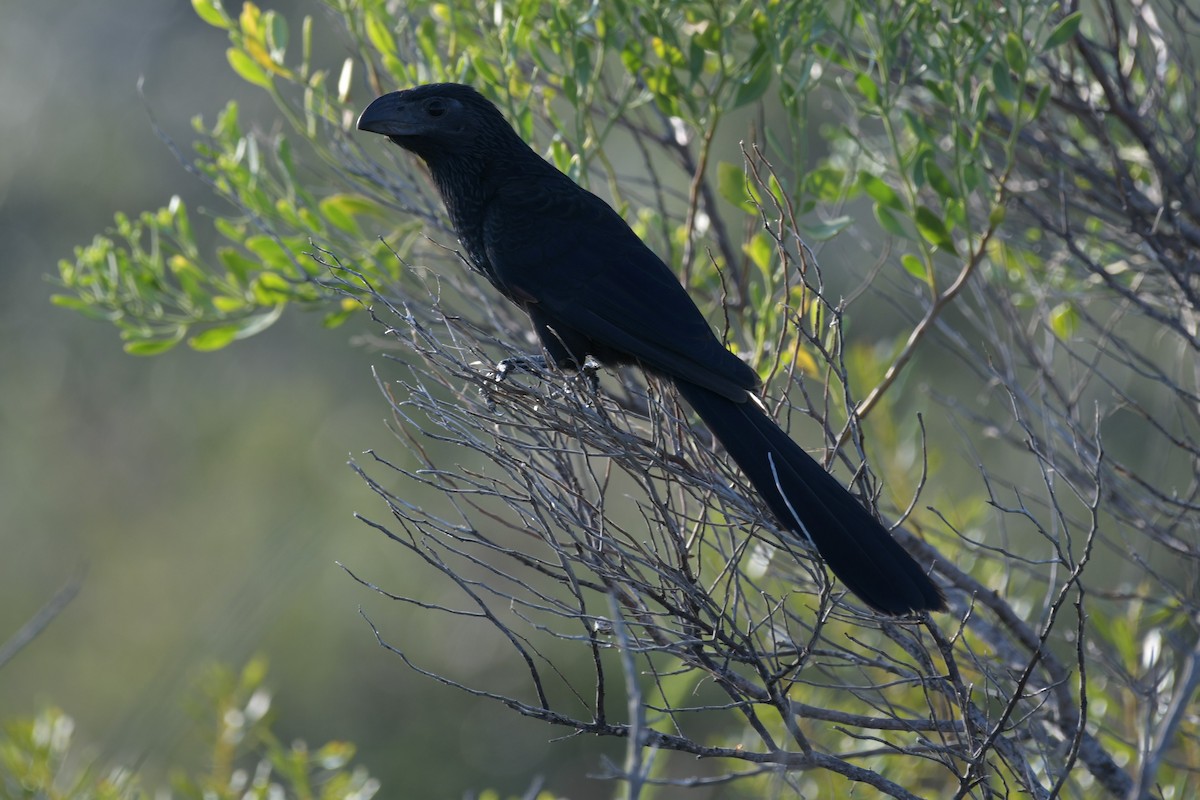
(247, 68)
(934, 231)
(1064, 31)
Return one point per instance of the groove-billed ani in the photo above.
(592, 288)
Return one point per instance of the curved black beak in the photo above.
(385, 115)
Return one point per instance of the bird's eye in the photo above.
(435, 108)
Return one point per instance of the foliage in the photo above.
(246, 760)
(1030, 169)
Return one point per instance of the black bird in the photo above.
(592, 288)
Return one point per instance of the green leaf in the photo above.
(220, 336)
(938, 180)
(232, 231)
(665, 88)
(152, 347)
(1064, 31)
(1014, 53)
(754, 86)
(880, 192)
(85, 307)
(759, 249)
(239, 265)
(823, 231)
(179, 214)
(486, 71)
(918, 127)
(667, 52)
(259, 322)
(1064, 320)
(1002, 80)
(867, 87)
(341, 210)
(825, 183)
(734, 187)
(277, 35)
(248, 68)
(213, 338)
(271, 252)
(931, 227)
(379, 32)
(271, 289)
(915, 267)
(1039, 104)
(228, 305)
(890, 222)
(708, 36)
(335, 319)
(212, 12)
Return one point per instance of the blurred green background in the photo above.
(203, 498)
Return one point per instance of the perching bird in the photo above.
(592, 288)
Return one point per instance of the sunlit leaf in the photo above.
(240, 266)
(212, 12)
(228, 305)
(380, 33)
(88, 309)
(213, 338)
(152, 347)
(733, 186)
(915, 267)
(247, 68)
(270, 289)
(271, 252)
(1064, 320)
(760, 250)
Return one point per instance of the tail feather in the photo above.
(811, 502)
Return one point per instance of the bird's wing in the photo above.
(565, 251)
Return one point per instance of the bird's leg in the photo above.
(591, 372)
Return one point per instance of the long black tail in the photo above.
(811, 502)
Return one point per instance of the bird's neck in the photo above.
(467, 184)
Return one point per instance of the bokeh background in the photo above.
(201, 500)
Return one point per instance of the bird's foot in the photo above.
(535, 365)
(539, 366)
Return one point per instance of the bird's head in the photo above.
(435, 120)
